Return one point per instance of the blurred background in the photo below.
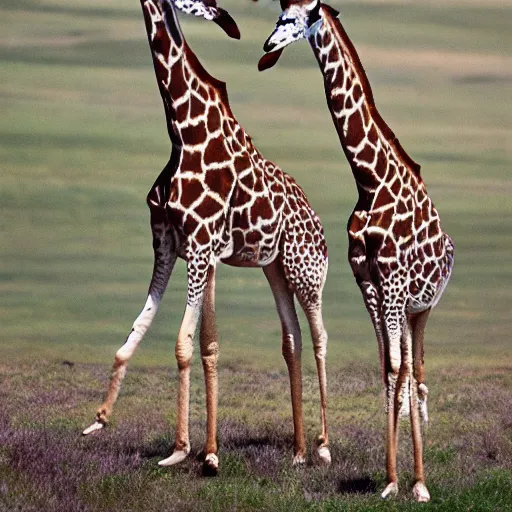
(83, 137)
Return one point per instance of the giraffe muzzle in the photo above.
(269, 45)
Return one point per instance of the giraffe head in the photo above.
(300, 18)
(208, 10)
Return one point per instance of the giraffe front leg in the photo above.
(197, 278)
(372, 301)
(164, 260)
(121, 359)
(183, 352)
(394, 318)
(292, 350)
(209, 355)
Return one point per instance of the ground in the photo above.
(82, 138)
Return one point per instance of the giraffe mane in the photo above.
(194, 62)
(203, 74)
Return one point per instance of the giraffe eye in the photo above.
(282, 22)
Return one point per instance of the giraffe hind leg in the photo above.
(164, 260)
(373, 305)
(310, 299)
(291, 349)
(418, 323)
(417, 402)
(305, 277)
(319, 337)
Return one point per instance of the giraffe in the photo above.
(400, 257)
(219, 200)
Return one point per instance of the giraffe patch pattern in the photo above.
(394, 231)
(227, 203)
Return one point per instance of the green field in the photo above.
(82, 139)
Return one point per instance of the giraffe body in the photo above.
(219, 200)
(400, 257)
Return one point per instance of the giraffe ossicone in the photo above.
(400, 257)
(219, 200)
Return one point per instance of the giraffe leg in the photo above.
(197, 279)
(319, 336)
(394, 318)
(372, 302)
(209, 355)
(418, 325)
(164, 261)
(420, 490)
(292, 350)
(418, 405)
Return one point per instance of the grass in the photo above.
(43, 460)
(82, 138)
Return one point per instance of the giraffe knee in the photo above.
(320, 346)
(320, 352)
(121, 358)
(183, 361)
(183, 354)
(292, 348)
(119, 366)
(210, 362)
(210, 350)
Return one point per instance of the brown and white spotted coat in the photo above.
(399, 255)
(219, 199)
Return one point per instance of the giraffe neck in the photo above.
(185, 86)
(373, 152)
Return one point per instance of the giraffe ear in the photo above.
(227, 23)
(269, 59)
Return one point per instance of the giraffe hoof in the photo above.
(211, 465)
(324, 455)
(420, 493)
(391, 490)
(175, 458)
(97, 425)
(299, 460)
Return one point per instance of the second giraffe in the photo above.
(400, 257)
